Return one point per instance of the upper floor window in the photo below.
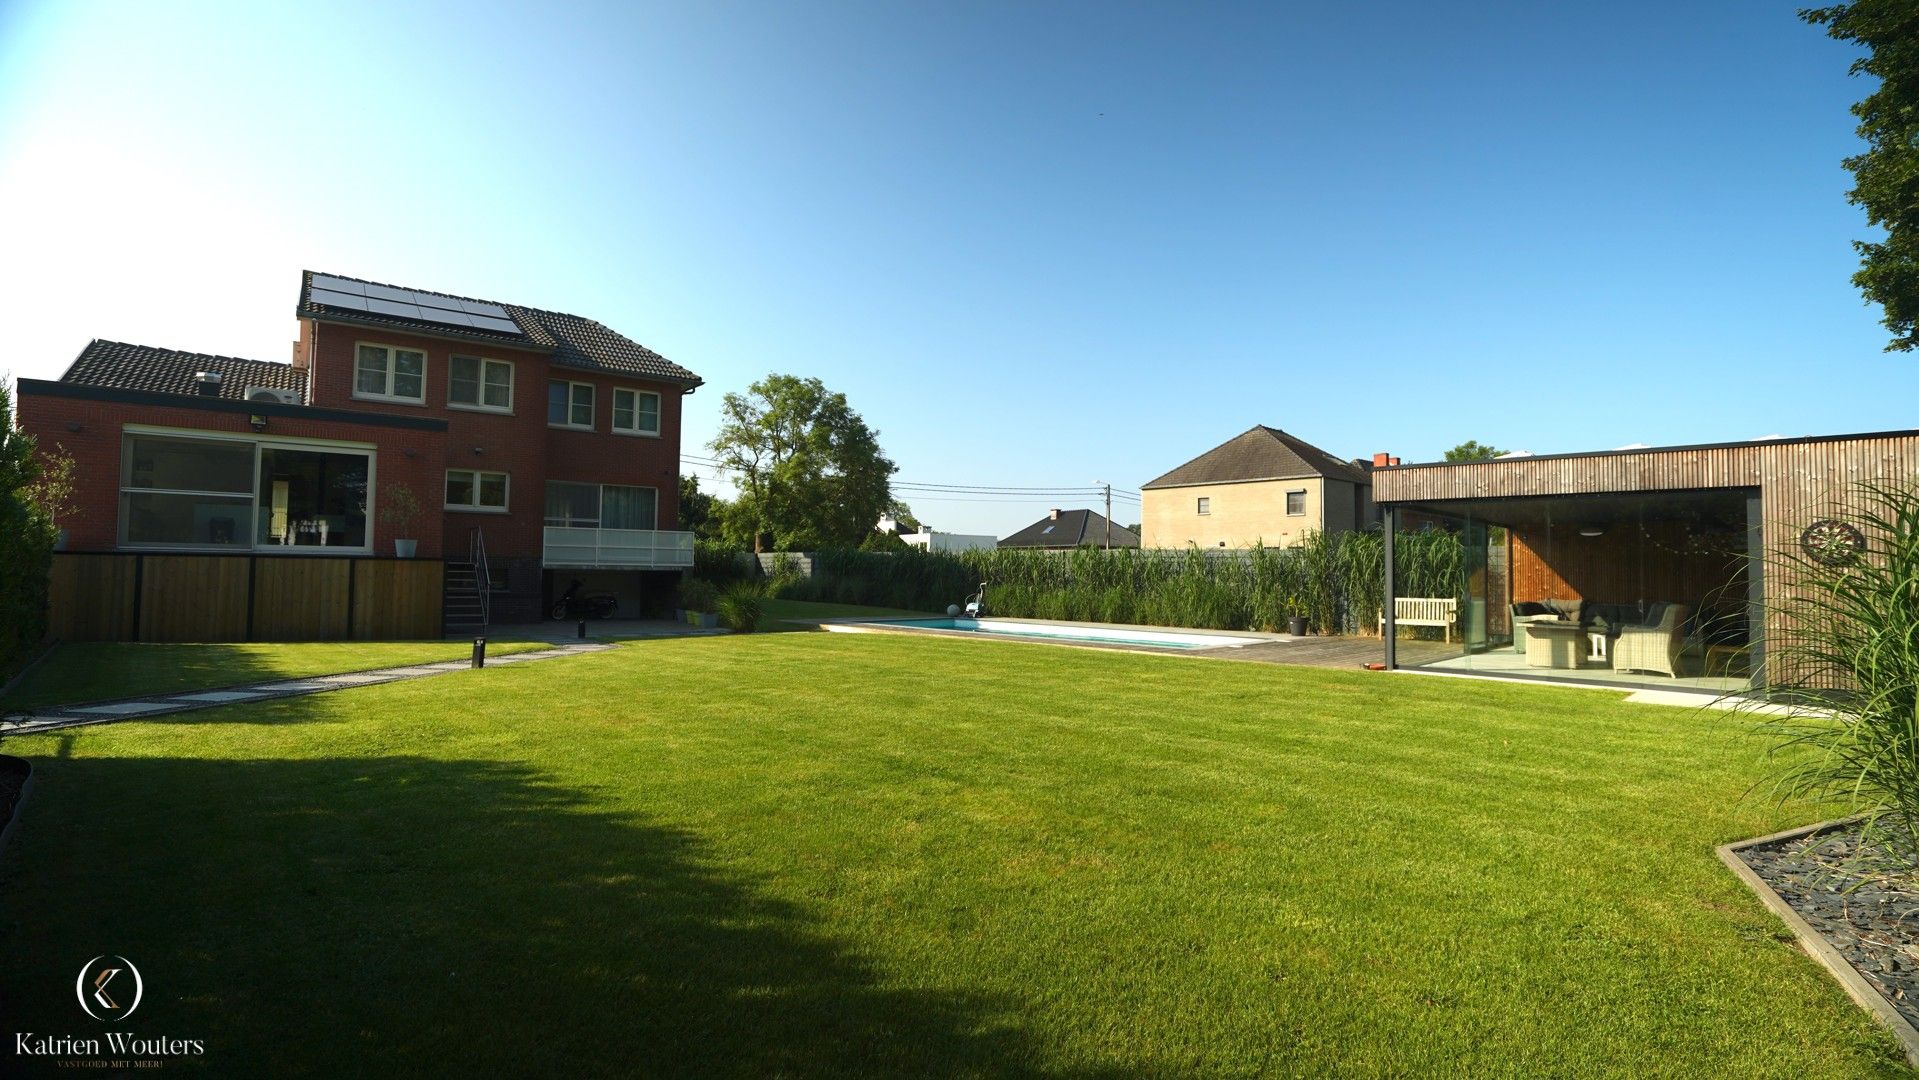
(636, 412)
(600, 506)
(1296, 503)
(389, 373)
(478, 383)
(569, 404)
(1205, 505)
(468, 489)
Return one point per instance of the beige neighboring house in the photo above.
(1264, 486)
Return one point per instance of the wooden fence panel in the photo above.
(300, 599)
(193, 598)
(397, 599)
(90, 598)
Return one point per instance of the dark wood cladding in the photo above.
(1798, 481)
(1795, 470)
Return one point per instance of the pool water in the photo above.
(1103, 635)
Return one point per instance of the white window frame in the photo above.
(658, 403)
(480, 405)
(1301, 512)
(392, 372)
(477, 507)
(259, 443)
(1203, 505)
(571, 387)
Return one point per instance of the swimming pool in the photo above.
(1057, 631)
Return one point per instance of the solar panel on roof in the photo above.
(338, 285)
(339, 300)
(478, 307)
(389, 307)
(388, 292)
(503, 326)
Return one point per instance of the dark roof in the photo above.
(1261, 453)
(1071, 529)
(571, 340)
(122, 366)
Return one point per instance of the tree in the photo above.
(1888, 272)
(809, 470)
(701, 514)
(34, 486)
(1472, 450)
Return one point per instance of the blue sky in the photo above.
(1035, 244)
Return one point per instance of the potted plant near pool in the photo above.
(402, 509)
(701, 602)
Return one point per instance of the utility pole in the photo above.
(1109, 516)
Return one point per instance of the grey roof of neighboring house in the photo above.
(1071, 529)
(571, 340)
(1261, 453)
(169, 371)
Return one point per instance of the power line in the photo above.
(930, 491)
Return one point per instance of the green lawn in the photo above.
(102, 671)
(833, 855)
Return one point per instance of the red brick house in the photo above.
(548, 442)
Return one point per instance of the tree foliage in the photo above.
(809, 470)
(1472, 450)
(1886, 176)
(34, 487)
(702, 514)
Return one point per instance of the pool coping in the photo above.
(1813, 942)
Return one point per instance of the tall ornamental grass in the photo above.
(1335, 582)
(1845, 659)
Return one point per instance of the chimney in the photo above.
(206, 383)
(1395, 460)
(1053, 514)
(1380, 461)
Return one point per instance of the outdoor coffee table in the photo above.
(1554, 644)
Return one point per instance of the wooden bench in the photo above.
(1424, 611)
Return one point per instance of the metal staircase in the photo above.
(466, 601)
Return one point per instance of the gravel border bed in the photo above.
(1864, 928)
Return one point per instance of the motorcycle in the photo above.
(571, 605)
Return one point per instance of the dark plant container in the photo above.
(1296, 626)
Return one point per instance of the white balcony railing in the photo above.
(617, 549)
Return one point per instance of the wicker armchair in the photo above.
(1655, 646)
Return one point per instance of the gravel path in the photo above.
(1873, 922)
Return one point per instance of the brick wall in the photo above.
(519, 444)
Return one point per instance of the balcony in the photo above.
(616, 549)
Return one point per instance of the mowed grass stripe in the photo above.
(834, 854)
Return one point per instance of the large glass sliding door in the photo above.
(212, 493)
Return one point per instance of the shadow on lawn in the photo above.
(399, 915)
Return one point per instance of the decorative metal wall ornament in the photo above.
(1832, 543)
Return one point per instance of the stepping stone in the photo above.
(297, 686)
(220, 696)
(353, 678)
(122, 708)
(409, 672)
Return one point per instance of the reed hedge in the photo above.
(1335, 582)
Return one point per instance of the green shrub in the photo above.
(740, 606)
(716, 560)
(698, 594)
(34, 486)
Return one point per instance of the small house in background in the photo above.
(1262, 486)
(932, 540)
(1063, 530)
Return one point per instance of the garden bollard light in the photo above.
(582, 629)
(479, 652)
